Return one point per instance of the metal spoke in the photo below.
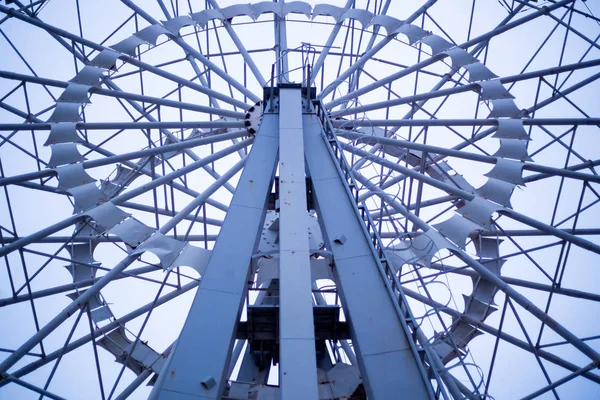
(164, 177)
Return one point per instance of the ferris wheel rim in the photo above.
(583, 176)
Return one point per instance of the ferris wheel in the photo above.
(299, 200)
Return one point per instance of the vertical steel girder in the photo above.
(387, 358)
(298, 369)
(198, 368)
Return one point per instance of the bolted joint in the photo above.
(209, 383)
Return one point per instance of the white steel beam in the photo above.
(281, 50)
(298, 369)
(198, 367)
(387, 357)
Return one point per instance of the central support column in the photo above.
(298, 364)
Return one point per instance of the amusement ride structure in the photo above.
(297, 200)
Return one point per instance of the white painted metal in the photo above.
(298, 364)
(398, 199)
(197, 369)
(388, 363)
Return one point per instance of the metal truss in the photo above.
(288, 200)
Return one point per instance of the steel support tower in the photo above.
(278, 200)
(291, 140)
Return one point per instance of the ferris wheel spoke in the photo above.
(87, 265)
(28, 279)
(68, 339)
(563, 94)
(569, 27)
(438, 122)
(21, 242)
(169, 213)
(557, 139)
(196, 54)
(369, 54)
(200, 200)
(541, 47)
(33, 388)
(184, 188)
(528, 166)
(355, 76)
(570, 74)
(95, 351)
(591, 164)
(455, 344)
(564, 342)
(120, 75)
(125, 95)
(476, 87)
(539, 121)
(566, 172)
(23, 7)
(190, 238)
(561, 381)
(192, 61)
(174, 138)
(31, 70)
(128, 357)
(495, 280)
(585, 244)
(328, 44)
(481, 40)
(521, 282)
(21, 148)
(242, 49)
(137, 382)
(576, 214)
(110, 275)
(128, 125)
(7, 301)
(498, 333)
(75, 344)
(114, 159)
(128, 59)
(529, 341)
(501, 28)
(390, 211)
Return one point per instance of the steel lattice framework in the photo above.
(299, 200)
